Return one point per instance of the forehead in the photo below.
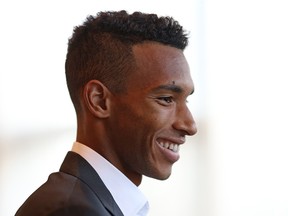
(158, 65)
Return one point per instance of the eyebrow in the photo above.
(170, 87)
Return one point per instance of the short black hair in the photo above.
(101, 48)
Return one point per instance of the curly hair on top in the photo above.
(101, 48)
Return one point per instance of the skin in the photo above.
(127, 129)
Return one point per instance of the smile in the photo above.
(171, 146)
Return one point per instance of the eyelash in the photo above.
(167, 100)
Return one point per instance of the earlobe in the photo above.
(96, 97)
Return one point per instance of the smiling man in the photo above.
(129, 81)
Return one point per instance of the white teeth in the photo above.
(176, 148)
(171, 146)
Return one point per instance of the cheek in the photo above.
(138, 119)
(127, 122)
(131, 114)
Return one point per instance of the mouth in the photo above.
(170, 146)
(170, 149)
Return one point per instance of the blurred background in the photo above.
(238, 54)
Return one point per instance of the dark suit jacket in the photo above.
(75, 190)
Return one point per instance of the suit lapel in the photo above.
(77, 166)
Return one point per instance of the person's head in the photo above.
(128, 80)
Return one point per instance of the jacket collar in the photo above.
(77, 166)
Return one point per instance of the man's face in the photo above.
(151, 120)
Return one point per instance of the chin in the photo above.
(164, 178)
(161, 176)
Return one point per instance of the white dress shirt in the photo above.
(126, 194)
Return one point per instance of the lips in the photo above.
(170, 149)
(171, 146)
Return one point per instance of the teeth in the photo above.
(171, 146)
(176, 148)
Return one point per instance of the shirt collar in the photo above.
(126, 194)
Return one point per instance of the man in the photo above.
(129, 82)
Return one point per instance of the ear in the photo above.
(97, 98)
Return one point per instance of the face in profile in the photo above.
(150, 121)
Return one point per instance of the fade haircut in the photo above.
(101, 48)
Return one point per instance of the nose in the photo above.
(184, 121)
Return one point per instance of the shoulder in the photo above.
(77, 210)
(63, 194)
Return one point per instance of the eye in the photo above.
(165, 100)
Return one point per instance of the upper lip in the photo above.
(178, 141)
